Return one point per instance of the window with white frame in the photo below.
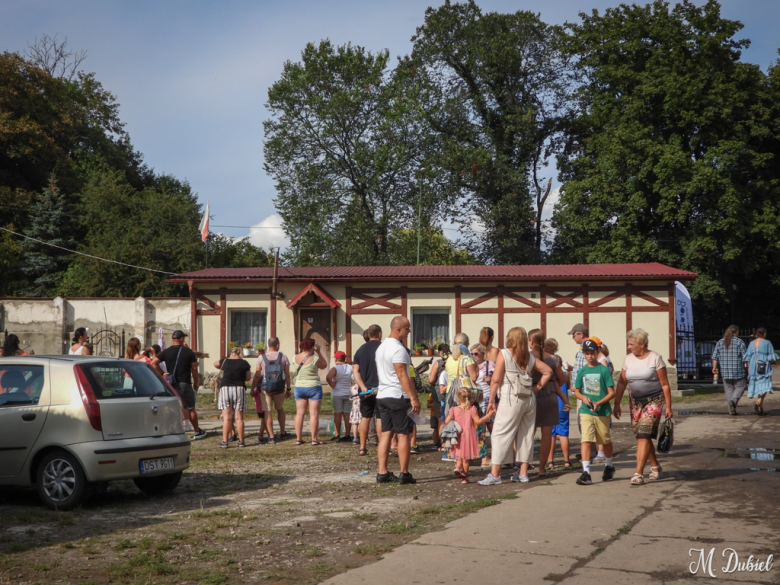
(248, 326)
(430, 324)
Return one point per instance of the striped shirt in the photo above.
(730, 361)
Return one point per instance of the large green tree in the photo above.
(670, 158)
(494, 100)
(343, 144)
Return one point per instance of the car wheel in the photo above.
(159, 484)
(61, 482)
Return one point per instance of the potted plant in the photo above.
(232, 344)
(248, 349)
(418, 347)
(430, 345)
(260, 347)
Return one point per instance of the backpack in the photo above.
(274, 375)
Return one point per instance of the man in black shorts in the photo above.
(182, 364)
(364, 372)
(395, 398)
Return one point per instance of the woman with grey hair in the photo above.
(649, 395)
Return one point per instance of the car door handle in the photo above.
(29, 416)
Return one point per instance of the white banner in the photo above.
(686, 346)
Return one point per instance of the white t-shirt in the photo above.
(390, 352)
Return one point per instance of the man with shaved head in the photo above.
(395, 398)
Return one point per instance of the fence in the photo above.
(695, 347)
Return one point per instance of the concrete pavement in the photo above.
(716, 492)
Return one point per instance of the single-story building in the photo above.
(335, 304)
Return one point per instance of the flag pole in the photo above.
(207, 250)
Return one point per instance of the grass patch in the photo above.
(364, 516)
(321, 571)
(373, 549)
(278, 575)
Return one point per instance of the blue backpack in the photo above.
(273, 382)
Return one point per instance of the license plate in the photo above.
(154, 465)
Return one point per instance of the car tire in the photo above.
(61, 482)
(160, 484)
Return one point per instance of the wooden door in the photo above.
(315, 323)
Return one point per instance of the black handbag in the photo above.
(666, 436)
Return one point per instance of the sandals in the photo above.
(566, 463)
(362, 452)
(550, 466)
(653, 473)
(759, 408)
(459, 473)
(299, 442)
(637, 479)
(315, 443)
(464, 480)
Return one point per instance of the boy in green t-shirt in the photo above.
(595, 388)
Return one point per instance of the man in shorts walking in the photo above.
(182, 365)
(364, 372)
(395, 397)
(272, 398)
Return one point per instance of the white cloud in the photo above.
(269, 233)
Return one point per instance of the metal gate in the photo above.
(695, 347)
(108, 343)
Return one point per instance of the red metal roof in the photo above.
(537, 272)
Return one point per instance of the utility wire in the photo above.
(87, 255)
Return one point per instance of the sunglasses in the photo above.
(475, 353)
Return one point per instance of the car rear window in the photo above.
(20, 384)
(112, 380)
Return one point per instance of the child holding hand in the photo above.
(465, 414)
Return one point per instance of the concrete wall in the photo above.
(47, 325)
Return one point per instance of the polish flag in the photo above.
(203, 228)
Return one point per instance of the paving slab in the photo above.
(414, 564)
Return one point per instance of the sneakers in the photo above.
(388, 477)
(405, 478)
(223, 444)
(516, 477)
(355, 441)
(609, 473)
(599, 459)
(241, 444)
(490, 479)
(415, 450)
(188, 428)
(584, 479)
(232, 438)
(201, 434)
(732, 408)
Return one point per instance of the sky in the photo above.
(192, 77)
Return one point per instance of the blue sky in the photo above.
(192, 76)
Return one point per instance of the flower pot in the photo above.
(417, 352)
(429, 352)
(247, 352)
(260, 351)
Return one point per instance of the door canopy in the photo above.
(318, 292)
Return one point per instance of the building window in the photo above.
(430, 324)
(247, 326)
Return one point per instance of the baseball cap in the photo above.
(596, 339)
(178, 334)
(589, 345)
(340, 355)
(578, 328)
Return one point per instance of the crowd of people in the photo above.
(476, 391)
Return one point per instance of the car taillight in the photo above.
(91, 405)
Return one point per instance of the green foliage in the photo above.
(49, 222)
(155, 227)
(672, 157)
(435, 249)
(494, 101)
(227, 252)
(343, 144)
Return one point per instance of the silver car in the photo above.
(71, 424)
